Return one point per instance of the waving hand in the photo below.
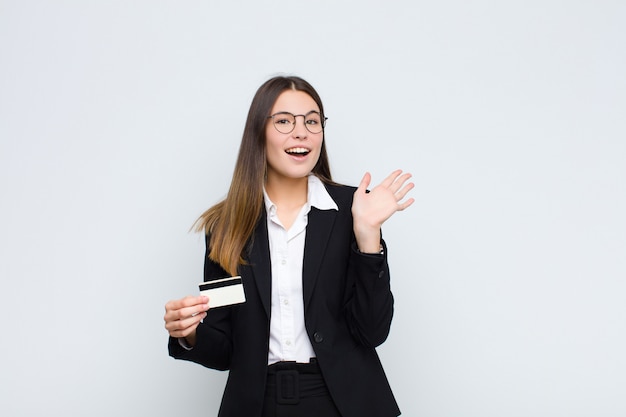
(371, 210)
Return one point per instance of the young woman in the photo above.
(314, 271)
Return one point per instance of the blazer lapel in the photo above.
(260, 264)
(318, 231)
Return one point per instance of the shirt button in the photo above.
(286, 302)
(284, 262)
(288, 342)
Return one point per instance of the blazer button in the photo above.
(318, 337)
(381, 274)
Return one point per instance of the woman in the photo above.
(314, 271)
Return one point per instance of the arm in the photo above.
(370, 301)
(369, 304)
(206, 333)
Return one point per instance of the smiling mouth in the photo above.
(298, 151)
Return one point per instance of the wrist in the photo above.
(367, 238)
(381, 251)
(190, 339)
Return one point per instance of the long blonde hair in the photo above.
(231, 222)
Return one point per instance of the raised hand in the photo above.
(371, 210)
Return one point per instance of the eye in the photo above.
(283, 118)
(313, 119)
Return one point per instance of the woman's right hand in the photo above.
(183, 316)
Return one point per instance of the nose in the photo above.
(300, 131)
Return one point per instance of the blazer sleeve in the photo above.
(213, 347)
(369, 301)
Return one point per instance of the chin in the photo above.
(292, 175)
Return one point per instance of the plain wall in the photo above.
(120, 122)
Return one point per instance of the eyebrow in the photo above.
(285, 111)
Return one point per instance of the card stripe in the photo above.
(212, 285)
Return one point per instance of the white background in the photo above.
(120, 122)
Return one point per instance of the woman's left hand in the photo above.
(371, 210)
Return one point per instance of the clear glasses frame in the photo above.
(285, 122)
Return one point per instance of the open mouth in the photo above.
(298, 151)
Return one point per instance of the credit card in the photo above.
(223, 291)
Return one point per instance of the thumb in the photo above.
(365, 182)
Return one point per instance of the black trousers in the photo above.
(297, 390)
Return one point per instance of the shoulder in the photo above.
(342, 194)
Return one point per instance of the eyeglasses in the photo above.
(285, 122)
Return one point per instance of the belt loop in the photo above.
(287, 387)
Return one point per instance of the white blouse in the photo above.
(288, 337)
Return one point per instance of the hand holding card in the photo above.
(223, 292)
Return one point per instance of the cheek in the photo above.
(272, 147)
(273, 150)
(320, 144)
(271, 141)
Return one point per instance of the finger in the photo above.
(192, 300)
(177, 325)
(187, 301)
(405, 204)
(399, 181)
(404, 190)
(365, 182)
(183, 333)
(183, 328)
(391, 178)
(185, 312)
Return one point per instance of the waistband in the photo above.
(288, 382)
(301, 368)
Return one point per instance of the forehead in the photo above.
(296, 102)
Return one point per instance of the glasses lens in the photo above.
(284, 122)
(313, 122)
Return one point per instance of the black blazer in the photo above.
(348, 309)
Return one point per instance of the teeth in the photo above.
(297, 150)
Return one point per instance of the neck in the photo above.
(287, 192)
